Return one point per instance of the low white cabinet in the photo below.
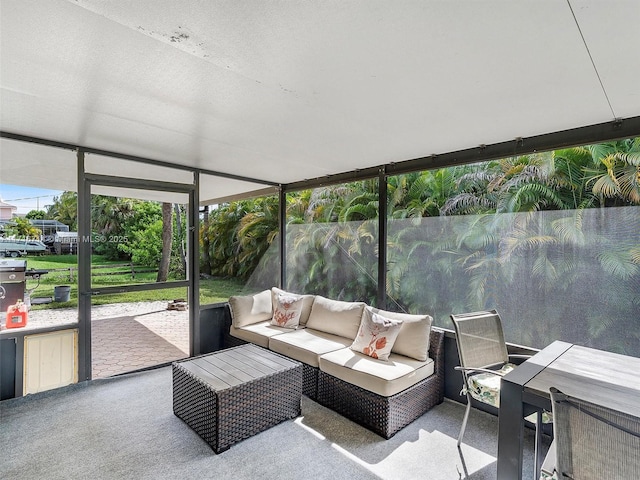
(50, 360)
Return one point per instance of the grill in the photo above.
(12, 282)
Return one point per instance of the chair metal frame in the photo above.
(482, 349)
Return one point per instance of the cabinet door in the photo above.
(50, 360)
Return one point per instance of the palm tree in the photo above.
(65, 209)
(297, 206)
(615, 176)
(256, 232)
(570, 165)
(167, 237)
(422, 194)
(333, 245)
(223, 240)
(204, 240)
(22, 228)
(108, 214)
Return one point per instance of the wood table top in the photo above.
(605, 378)
(234, 366)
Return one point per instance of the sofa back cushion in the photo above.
(248, 309)
(413, 338)
(307, 303)
(336, 317)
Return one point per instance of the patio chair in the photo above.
(484, 359)
(591, 441)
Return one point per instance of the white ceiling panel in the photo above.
(117, 167)
(288, 91)
(217, 190)
(32, 165)
(615, 55)
(153, 195)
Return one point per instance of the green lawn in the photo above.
(211, 290)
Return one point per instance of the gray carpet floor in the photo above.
(124, 428)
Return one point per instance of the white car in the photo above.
(11, 247)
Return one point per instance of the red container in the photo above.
(17, 315)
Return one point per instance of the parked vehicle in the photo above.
(13, 247)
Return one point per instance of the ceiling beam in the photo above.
(598, 133)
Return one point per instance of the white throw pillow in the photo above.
(287, 309)
(376, 335)
(307, 303)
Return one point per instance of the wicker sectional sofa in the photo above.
(383, 395)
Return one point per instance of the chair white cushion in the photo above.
(306, 345)
(485, 387)
(385, 378)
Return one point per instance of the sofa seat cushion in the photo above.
(258, 333)
(385, 378)
(306, 345)
(336, 317)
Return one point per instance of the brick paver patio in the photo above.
(130, 342)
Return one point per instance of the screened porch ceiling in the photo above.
(274, 93)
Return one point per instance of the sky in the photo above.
(27, 198)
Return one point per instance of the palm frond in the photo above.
(607, 186)
(600, 151)
(569, 229)
(466, 203)
(544, 269)
(618, 263)
(521, 240)
(629, 182)
(630, 158)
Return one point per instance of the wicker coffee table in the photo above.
(232, 394)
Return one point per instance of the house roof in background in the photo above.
(281, 92)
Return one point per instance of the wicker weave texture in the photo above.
(223, 418)
(196, 404)
(310, 381)
(256, 406)
(386, 415)
(229, 341)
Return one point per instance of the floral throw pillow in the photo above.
(287, 309)
(376, 335)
